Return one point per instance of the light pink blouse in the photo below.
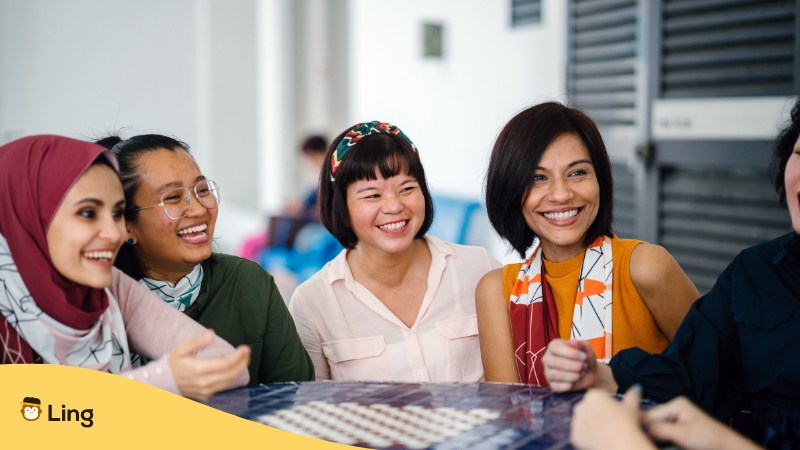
(351, 335)
(154, 329)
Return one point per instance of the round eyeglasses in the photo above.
(177, 202)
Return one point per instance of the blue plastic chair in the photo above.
(453, 218)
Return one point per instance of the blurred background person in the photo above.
(313, 149)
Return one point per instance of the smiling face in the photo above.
(168, 249)
(564, 198)
(30, 412)
(88, 228)
(386, 213)
(791, 179)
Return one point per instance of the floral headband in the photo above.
(359, 132)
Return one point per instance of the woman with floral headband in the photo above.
(395, 304)
(170, 217)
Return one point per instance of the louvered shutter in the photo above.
(601, 64)
(708, 217)
(723, 48)
(712, 204)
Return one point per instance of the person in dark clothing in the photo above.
(738, 349)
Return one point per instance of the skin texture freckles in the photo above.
(168, 249)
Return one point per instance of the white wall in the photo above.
(186, 68)
(453, 108)
(86, 67)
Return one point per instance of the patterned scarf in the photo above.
(532, 310)
(180, 295)
(358, 132)
(103, 346)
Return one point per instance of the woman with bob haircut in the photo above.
(549, 182)
(395, 304)
(738, 348)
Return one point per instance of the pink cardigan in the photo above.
(154, 329)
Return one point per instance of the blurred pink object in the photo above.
(252, 246)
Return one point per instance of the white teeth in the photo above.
(195, 229)
(563, 215)
(393, 226)
(99, 255)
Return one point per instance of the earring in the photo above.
(131, 241)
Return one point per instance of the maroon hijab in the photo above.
(35, 174)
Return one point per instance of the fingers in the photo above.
(562, 355)
(633, 398)
(665, 423)
(238, 358)
(584, 346)
(666, 431)
(565, 364)
(571, 350)
(216, 374)
(671, 411)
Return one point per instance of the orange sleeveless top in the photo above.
(632, 322)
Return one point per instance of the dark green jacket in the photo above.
(239, 300)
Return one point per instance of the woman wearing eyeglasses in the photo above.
(170, 216)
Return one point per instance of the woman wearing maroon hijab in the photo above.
(62, 302)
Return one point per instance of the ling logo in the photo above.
(31, 408)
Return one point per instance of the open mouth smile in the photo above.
(394, 226)
(561, 216)
(194, 233)
(100, 256)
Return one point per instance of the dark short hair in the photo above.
(314, 144)
(784, 146)
(517, 151)
(391, 155)
(128, 151)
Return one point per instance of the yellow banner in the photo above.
(55, 407)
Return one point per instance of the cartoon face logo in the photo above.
(31, 408)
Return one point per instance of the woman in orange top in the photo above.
(549, 183)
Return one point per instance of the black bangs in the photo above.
(391, 155)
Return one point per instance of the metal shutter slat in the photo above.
(624, 201)
(623, 33)
(621, 50)
(708, 216)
